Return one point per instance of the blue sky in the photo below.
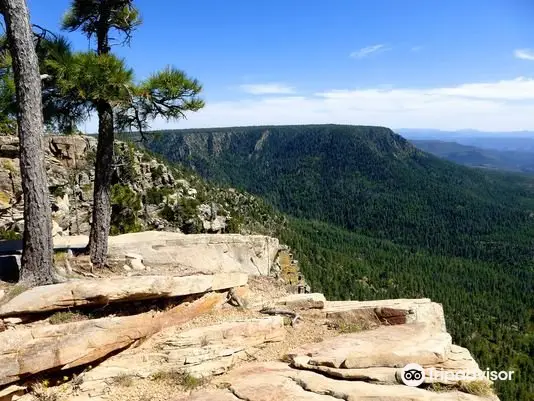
(418, 64)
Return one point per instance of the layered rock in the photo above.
(118, 289)
(183, 254)
(167, 198)
(28, 351)
(277, 381)
(389, 311)
(201, 352)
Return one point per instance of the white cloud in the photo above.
(416, 49)
(369, 50)
(505, 105)
(273, 88)
(524, 54)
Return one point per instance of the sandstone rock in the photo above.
(12, 392)
(68, 345)
(268, 381)
(135, 263)
(389, 311)
(56, 229)
(188, 254)
(381, 375)
(303, 301)
(386, 346)
(13, 320)
(117, 289)
(2, 294)
(200, 252)
(202, 351)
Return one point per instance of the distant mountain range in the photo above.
(510, 160)
(522, 141)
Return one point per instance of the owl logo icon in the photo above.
(413, 375)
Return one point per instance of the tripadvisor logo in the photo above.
(413, 375)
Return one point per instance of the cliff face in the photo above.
(218, 343)
(147, 193)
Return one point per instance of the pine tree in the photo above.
(168, 94)
(37, 266)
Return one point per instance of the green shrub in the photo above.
(125, 203)
(9, 234)
(155, 196)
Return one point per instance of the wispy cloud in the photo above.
(369, 50)
(416, 49)
(272, 88)
(524, 54)
(504, 105)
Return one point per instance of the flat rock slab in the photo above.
(118, 289)
(203, 351)
(303, 301)
(24, 352)
(191, 253)
(388, 311)
(269, 381)
(386, 346)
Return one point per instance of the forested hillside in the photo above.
(511, 160)
(396, 222)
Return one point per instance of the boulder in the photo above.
(116, 289)
(65, 346)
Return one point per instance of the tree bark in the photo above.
(98, 238)
(101, 223)
(37, 266)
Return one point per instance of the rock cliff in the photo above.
(213, 341)
(147, 193)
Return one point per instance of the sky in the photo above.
(442, 64)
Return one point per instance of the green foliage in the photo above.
(125, 159)
(168, 94)
(92, 78)
(9, 234)
(66, 317)
(88, 16)
(125, 203)
(7, 90)
(183, 214)
(376, 218)
(176, 377)
(58, 191)
(156, 196)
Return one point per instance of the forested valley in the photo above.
(374, 217)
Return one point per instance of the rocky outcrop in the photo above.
(388, 311)
(277, 381)
(182, 254)
(362, 365)
(201, 352)
(119, 289)
(353, 350)
(147, 194)
(28, 351)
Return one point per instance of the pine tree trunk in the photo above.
(98, 238)
(101, 223)
(37, 266)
